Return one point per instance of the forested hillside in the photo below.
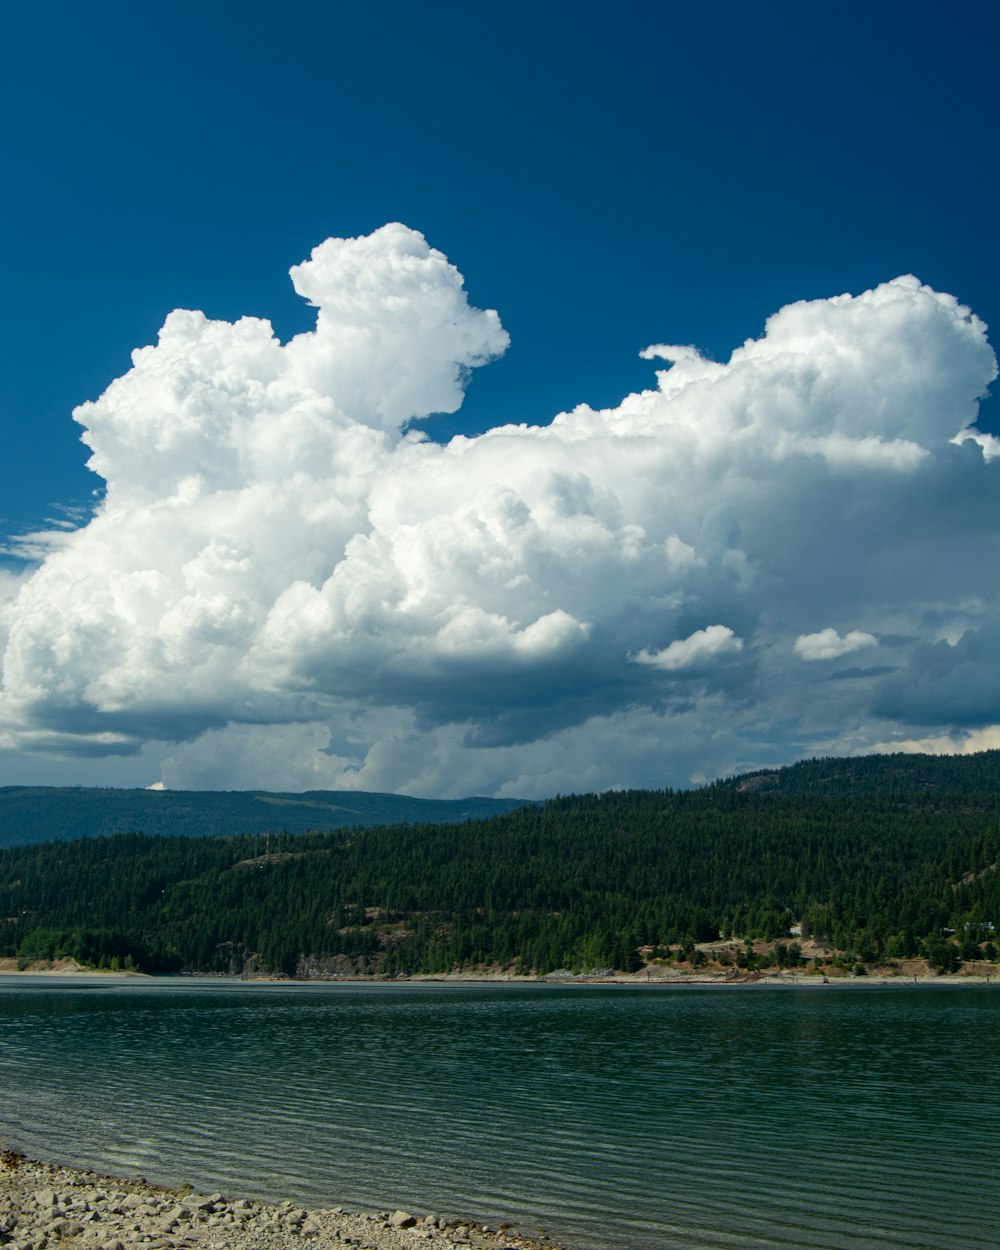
(44, 813)
(878, 775)
(898, 859)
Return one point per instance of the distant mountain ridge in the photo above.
(31, 814)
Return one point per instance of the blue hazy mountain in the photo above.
(30, 814)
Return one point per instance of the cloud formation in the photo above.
(292, 586)
(702, 648)
(827, 644)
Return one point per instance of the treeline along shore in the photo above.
(868, 865)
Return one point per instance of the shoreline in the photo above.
(48, 1205)
(70, 970)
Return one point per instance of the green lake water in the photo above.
(617, 1118)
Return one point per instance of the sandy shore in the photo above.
(47, 1207)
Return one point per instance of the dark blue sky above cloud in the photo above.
(605, 178)
(602, 177)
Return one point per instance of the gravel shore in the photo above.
(46, 1207)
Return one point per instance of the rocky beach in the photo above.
(48, 1207)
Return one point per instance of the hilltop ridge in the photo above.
(31, 814)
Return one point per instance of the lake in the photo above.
(612, 1117)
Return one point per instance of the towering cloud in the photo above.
(288, 582)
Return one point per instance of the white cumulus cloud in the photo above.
(703, 646)
(285, 580)
(827, 644)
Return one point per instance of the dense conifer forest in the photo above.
(886, 857)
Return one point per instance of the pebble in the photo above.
(43, 1207)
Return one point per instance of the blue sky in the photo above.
(606, 179)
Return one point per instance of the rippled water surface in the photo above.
(619, 1118)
